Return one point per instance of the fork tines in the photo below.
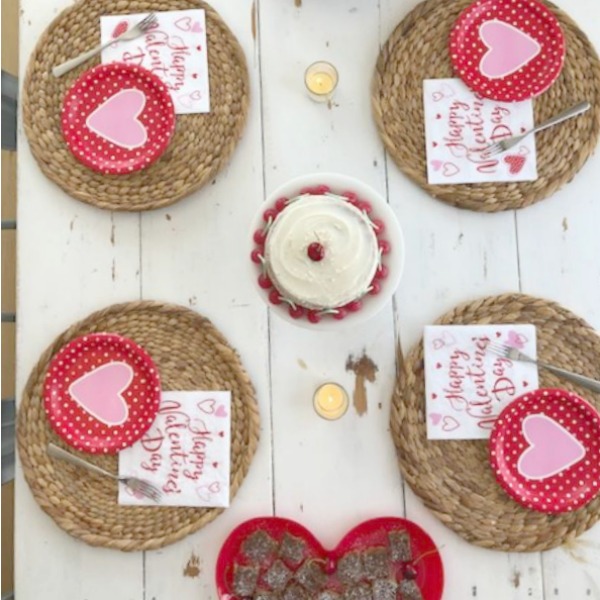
(144, 488)
(500, 349)
(147, 21)
(493, 150)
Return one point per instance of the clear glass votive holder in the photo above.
(321, 79)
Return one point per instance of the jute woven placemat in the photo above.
(418, 49)
(190, 354)
(201, 144)
(454, 478)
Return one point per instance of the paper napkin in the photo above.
(175, 50)
(185, 453)
(459, 124)
(466, 384)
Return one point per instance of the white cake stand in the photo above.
(393, 233)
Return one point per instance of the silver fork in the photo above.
(130, 34)
(507, 144)
(515, 354)
(133, 483)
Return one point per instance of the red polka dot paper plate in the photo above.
(101, 393)
(118, 118)
(545, 451)
(507, 50)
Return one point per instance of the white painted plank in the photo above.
(328, 475)
(194, 254)
(454, 256)
(72, 260)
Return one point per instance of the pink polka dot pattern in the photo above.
(72, 422)
(93, 89)
(529, 16)
(568, 489)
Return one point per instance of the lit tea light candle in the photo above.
(321, 79)
(331, 401)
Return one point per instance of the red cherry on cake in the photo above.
(354, 306)
(322, 189)
(315, 251)
(264, 282)
(270, 213)
(313, 316)
(365, 206)
(256, 255)
(260, 236)
(385, 246)
(280, 204)
(274, 297)
(382, 272)
(375, 288)
(379, 225)
(409, 571)
(296, 312)
(340, 314)
(350, 195)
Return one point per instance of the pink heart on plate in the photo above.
(435, 418)
(436, 164)
(99, 392)
(116, 119)
(221, 411)
(552, 448)
(509, 49)
(207, 406)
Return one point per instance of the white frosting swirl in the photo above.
(351, 254)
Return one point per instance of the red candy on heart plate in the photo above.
(384, 558)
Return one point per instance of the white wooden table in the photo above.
(74, 259)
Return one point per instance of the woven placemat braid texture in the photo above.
(418, 50)
(454, 478)
(201, 144)
(191, 355)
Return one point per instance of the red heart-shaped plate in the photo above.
(428, 571)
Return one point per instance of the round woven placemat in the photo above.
(190, 354)
(453, 477)
(418, 50)
(201, 144)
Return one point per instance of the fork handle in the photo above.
(563, 116)
(69, 65)
(57, 452)
(583, 381)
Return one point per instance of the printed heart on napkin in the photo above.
(258, 542)
(99, 392)
(515, 163)
(116, 119)
(509, 49)
(552, 448)
(450, 169)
